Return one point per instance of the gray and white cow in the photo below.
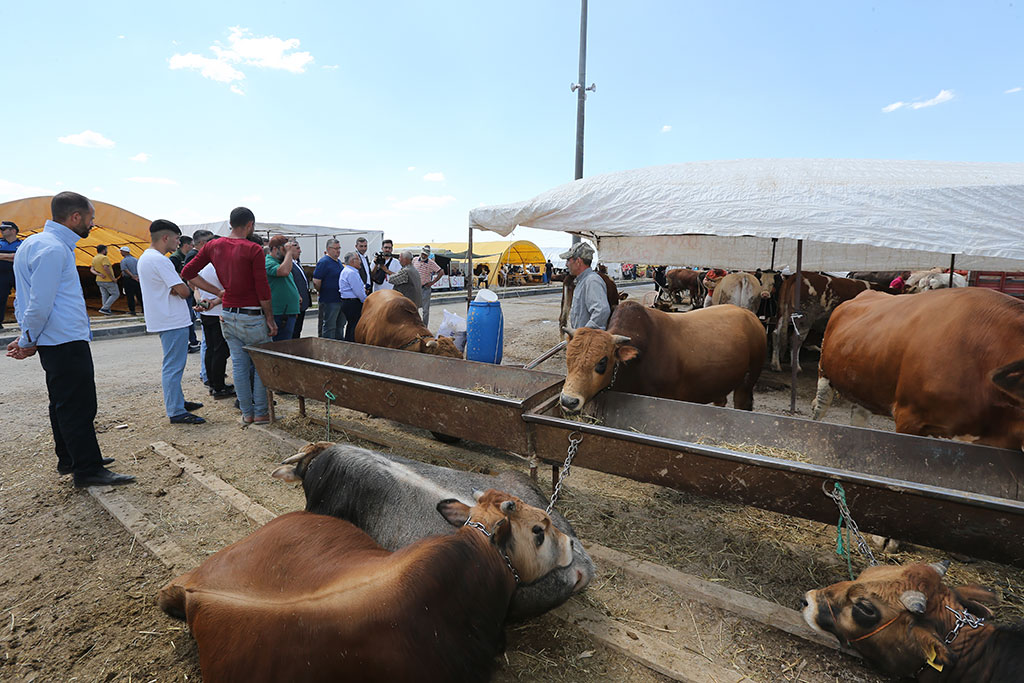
(394, 500)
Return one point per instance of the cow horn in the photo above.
(477, 494)
(508, 507)
(940, 567)
(620, 339)
(914, 601)
(569, 331)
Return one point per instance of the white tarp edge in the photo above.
(851, 214)
(312, 238)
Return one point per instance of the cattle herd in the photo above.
(398, 570)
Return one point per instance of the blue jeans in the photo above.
(175, 346)
(285, 326)
(333, 326)
(240, 330)
(202, 359)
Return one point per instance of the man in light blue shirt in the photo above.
(353, 293)
(50, 309)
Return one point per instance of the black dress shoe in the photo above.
(103, 477)
(187, 419)
(226, 392)
(192, 405)
(68, 470)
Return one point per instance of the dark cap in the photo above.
(4, 225)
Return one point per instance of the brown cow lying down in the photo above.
(390, 319)
(904, 621)
(698, 356)
(313, 598)
(941, 363)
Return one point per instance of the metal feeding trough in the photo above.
(935, 492)
(458, 398)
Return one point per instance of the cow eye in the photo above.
(865, 613)
(602, 366)
(538, 532)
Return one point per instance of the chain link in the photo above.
(963, 618)
(838, 495)
(574, 444)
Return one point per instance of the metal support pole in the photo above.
(470, 276)
(952, 265)
(775, 243)
(794, 350)
(581, 97)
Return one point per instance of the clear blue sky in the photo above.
(403, 116)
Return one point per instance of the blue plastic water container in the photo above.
(485, 332)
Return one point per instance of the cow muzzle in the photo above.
(570, 404)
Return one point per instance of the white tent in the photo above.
(312, 238)
(850, 214)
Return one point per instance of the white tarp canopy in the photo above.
(851, 214)
(312, 238)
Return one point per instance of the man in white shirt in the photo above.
(353, 294)
(167, 314)
(385, 268)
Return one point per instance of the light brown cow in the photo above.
(941, 363)
(390, 319)
(313, 598)
(699, 356)
(740, 289)
(904, 620)
(819, 296)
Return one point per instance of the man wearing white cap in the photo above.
(590, 295)
(430, 273)
(130, 279)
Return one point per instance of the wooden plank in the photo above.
(705, 592)
(677, 664)
(166, 550)
(238, 500)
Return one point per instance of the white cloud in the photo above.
(330, 67)
(436, 177)
(411, 168)
(666, 129)
(120, 37)
(391, 198)
(17, 190)
(147, 180)
(943, 96)
(141, 156)
(87, 138)
(244, 49)
(1012, 90)
(425, 202)
(214, 69)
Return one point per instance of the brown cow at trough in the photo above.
(819, 296)
(569, 286)
(390, 319)
(313, 598)
(942, 363)
(907, 622)
(699, 356)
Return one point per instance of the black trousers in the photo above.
(71, 385)
(352, 308)
(297, 332)
(6, 285)
(132, 291)
(217, 351)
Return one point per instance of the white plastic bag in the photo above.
(451, 324)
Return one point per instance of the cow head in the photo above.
(441, 346)
(896, 617)
(293, 468)
(590, 358)
(522, 532)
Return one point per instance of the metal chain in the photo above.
(964, 618)
(574, 444)
(330, 397)
(838, 495)
(489, 534)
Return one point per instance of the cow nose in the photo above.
(569, 402)
(803, 602)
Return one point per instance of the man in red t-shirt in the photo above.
(247, 316)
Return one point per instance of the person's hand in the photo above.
(18, 353)
(272, 327)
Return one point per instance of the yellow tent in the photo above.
(115, 227)
(493, 254)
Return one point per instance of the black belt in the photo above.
(351, 299)
(246, 311)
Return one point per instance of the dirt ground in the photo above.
(77, 592)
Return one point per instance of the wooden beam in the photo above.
(165, 550)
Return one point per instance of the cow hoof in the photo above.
(445, 438)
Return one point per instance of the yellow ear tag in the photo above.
(931, 660)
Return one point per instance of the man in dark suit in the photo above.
(302, 284)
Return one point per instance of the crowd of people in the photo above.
(241, 290)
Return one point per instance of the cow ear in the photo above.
(1010, 379)
(626, 353)
(975, 598)
(286, 473)
(455, 511)
(569, 331)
